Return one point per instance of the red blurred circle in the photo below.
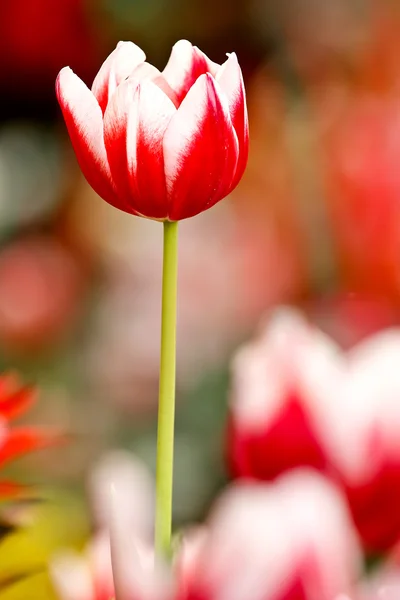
(40, 288)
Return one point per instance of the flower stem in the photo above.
(166, 404)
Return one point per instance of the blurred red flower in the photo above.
(38, 37)
(355, 105)
(362, 149)
(15, 399)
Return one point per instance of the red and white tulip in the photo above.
(162, 145)
(279, 418)
(298, 400)
(288, 540)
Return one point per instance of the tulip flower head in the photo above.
(162, 145)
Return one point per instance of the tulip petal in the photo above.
(200, 150)
(117, 67)
(148, 120)
(84, 122)
(147, 71)
(229, 76)
(185, 66)
(134, 125)
(134, 497)
(135, 571)
(115, 129)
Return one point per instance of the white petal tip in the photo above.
(65, 72)
(183, 43)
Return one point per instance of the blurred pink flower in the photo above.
(297, 399)
(290, 540)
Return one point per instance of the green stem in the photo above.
(166, 405)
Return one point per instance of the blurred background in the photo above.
(315, 221)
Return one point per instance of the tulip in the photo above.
(368, 439)
(162, 145)
(304, 403)
(277, 420)
(284, 541)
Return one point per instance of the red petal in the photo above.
(185, 66)
(24, 440)
(200, 151)
(230, 78)
(148, 120)
(15, 399)
(150, 111)
(84, 121)
(13, 404)
(115, 125)
(289, 441)
(117, 67)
